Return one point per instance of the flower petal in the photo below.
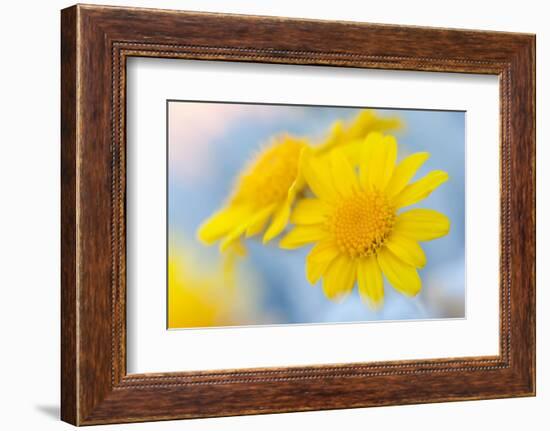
(343, 174)
(279, 222)
(420, 189)
(302, 235)
(405, 171)
(370, 282)
(316, 172)
(353, 151)
(365, 122)
(368, 121)
(319, 258)
(258, 222)
(422, 224)
(339, 278)
(233, 236)
(309, 211)
(300, 181)
(404, 278)
(336, 137)
(282, 215)
(406, 249)
(222, 222)
(378, 160)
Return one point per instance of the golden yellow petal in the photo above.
(404, 278)
(368, 121)
(302, 235)
(318, 259)
(279, 222)
(404, 172)
(229, 240)
(358, 128)
(335, 138)
(300, 181)
(372, 140)
(317, 175)
(422, 224)
(406, 249)
(222, 222)
(309, 211)
(377, 160)
(383, 162)
(420, 189)
(339, 278)
(343, 174)
(370, 282)
(353, 151)
(259, 221)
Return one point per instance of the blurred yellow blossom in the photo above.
(204, 293)
(267, 187)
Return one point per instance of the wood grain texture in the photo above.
(69, 367)
(96, 41)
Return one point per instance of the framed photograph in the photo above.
(264, 215)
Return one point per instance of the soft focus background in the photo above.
(209, 144)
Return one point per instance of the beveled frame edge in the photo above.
(96, 41)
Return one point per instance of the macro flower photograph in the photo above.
(298, 214)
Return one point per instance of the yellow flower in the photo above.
(189, 304)
(265, 191)
(351, 136)
(204, 294)
(355, 224)
(263, 194)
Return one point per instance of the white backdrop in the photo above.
(29, 228)
(151, 348)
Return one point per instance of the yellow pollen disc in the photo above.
(269, 177)
(361, 224)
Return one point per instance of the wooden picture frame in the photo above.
(96, 41)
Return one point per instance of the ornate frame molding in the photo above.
(96, 41)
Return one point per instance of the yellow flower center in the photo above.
(361, 224)
(270, 175)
